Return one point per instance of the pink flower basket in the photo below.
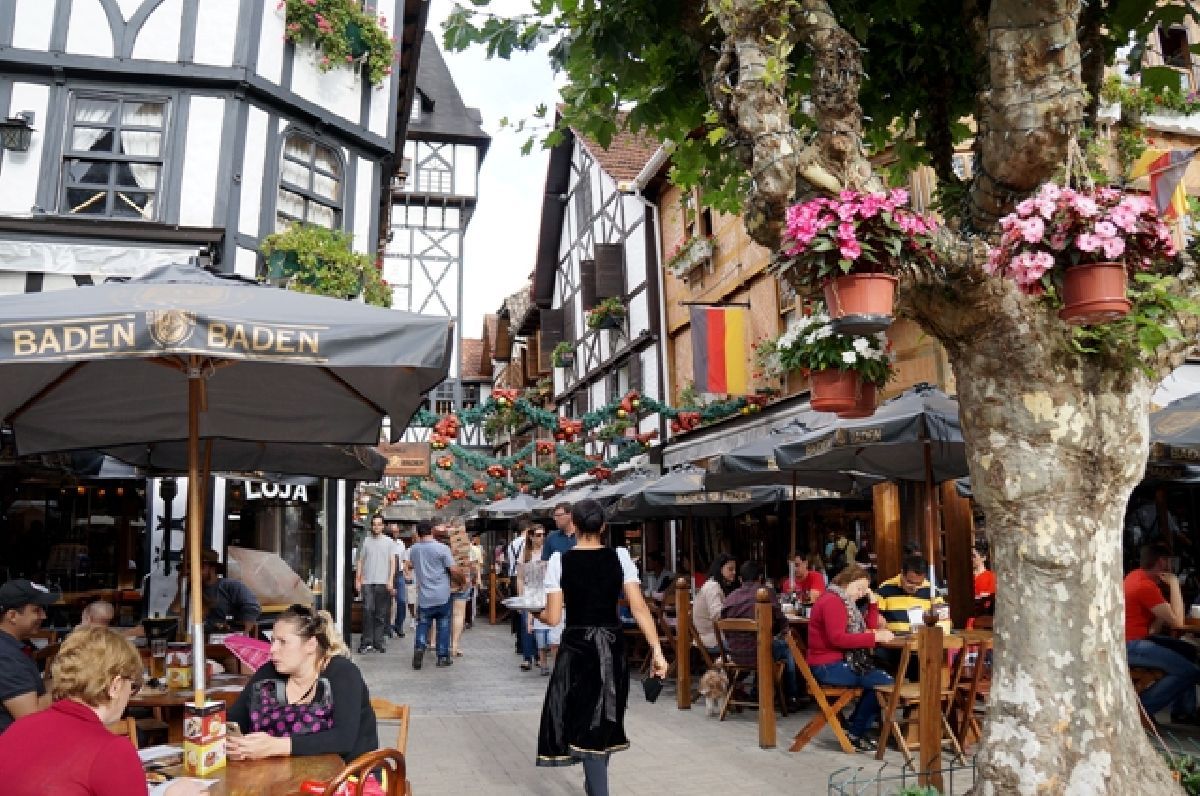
(252, 652)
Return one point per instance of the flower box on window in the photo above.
(690, 255)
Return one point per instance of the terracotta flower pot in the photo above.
(1094, 294)
(865, 401)
(835, 390)
(861, 303)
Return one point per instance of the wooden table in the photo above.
(168, 703)
(271, 776)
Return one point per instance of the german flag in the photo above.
(1166, 170)
(720, 362)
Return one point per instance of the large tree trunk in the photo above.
(1056, 446)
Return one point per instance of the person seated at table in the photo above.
(22, 611)
(908, 590)
(722, 580)
(228, 603)
(808, 582)
(67, 748)
(985, 587)
(655, 578)
(839, 647)
(1148, 616)
(739, 604)
(100, 613)
(310, 699)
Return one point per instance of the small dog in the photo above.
(713, 685)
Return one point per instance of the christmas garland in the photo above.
(459, 474)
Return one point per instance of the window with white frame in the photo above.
(113, 157)
(310, 184)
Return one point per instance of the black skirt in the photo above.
(583, 715)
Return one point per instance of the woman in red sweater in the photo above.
(839, 644)
(66, 750)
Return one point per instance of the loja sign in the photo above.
(256, 490)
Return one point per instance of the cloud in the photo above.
(501, 241)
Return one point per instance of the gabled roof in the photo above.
(444, 115)
(472, 367)
(623, 160)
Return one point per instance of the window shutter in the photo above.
(581, 403)
(610, 270)
(550, 335)
(635, 372)
(534, 365)
(587, 284)
(569, 333)
(502, 346)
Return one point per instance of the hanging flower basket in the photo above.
(563, 355)
(1085, 244)
(608, 314)
(839, 391)
(1094, 293)
(861, 303)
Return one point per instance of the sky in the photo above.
(501, 240)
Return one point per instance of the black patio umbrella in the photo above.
(233, 457)
(681, 493)
(1175, 431)
(184, 355)
(509, 508)
(915, 436)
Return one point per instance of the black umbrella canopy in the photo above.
(109, 365)
(349, 462)
(891, 443)
(755, 464)
(1175, 431)
(510, 507)
(681, 493)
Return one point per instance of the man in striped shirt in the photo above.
(909, 589)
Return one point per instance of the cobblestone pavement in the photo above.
(474, 729)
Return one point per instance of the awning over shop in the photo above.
(722, 438)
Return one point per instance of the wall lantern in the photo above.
(16, 133)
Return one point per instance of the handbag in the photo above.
(859, 661)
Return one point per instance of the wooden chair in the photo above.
(667, 640)
(827, 712)
(394, 773)
(970, 686)
(127, 727)
(637, 649)
(739, 671)
(390, 711)
(900, 704)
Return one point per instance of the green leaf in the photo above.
(1161, 78)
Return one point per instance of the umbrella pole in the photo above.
(792, 551)
(929, 516)
(195, 507)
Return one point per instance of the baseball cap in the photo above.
(15, 593)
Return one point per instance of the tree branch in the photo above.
(1034, 105)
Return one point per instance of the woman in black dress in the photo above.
(583, 717)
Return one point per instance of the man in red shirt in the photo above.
(1147, 613)
(808, 581)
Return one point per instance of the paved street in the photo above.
(474, 726)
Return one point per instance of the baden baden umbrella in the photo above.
(681, 493)
(508, 508)
(915, 436)
(348, 462)
(185, 355)
(1175, 431)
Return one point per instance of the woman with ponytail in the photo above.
(310, 699)
(584, 711)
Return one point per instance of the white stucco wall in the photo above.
(215, 36)
(252, 170)
(202, 155)
(88, 32)
(363, 212)
(32, 24)
(19, 170)
(158, 39)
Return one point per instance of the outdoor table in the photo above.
(169, 702)
(271, 776)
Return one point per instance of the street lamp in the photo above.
(16, 132)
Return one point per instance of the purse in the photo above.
(859, 661)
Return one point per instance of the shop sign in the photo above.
(258, 490)
(405, 458)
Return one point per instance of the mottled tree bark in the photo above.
(1056, 442)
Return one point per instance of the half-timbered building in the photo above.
(597, 242)
(157, 131)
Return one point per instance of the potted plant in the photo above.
(563, 355)
(1081, 247)
(608, 314)
(689, 255)
(844, 370)
(343, 32)
(313, 259)
(851, 247)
